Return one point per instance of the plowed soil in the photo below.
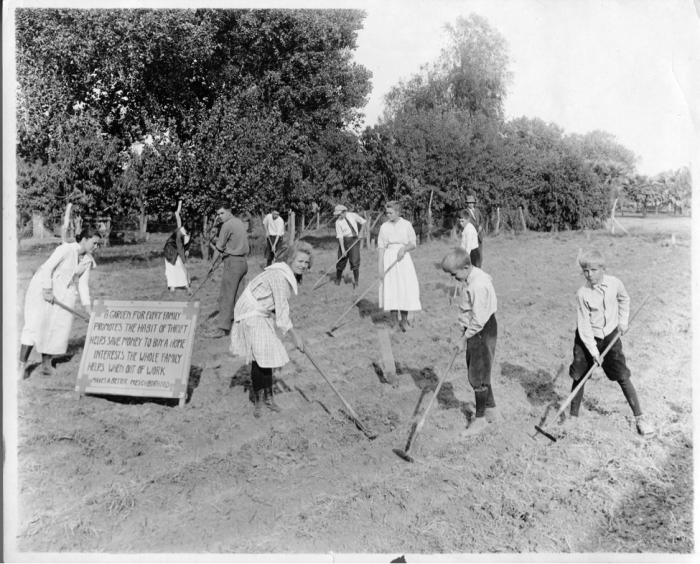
(112, 474)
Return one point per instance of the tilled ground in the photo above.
(123, 475)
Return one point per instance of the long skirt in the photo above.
(176, 274)
(47, 327)
(399, 289)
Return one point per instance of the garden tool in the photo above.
(213, 268)
(405, 454)
(334, 264)
(64, 306)
(543, 429)
(351, 411)
(335, 325)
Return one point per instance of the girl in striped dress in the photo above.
(399, 290)
(264, 304)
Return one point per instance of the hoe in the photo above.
(370, 435)
(406, 454)
(333, 265)
(543, 428)
(335, 325)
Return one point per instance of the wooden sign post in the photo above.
(138, 349)
(387, 357)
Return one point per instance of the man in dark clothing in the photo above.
(232, 243)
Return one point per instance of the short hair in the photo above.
(274, 210)
(394, 205)
(223, 204)
(455, 260)
(591, 258)
(464, 214)
(88, 233)
(300, 247)
(245, 216)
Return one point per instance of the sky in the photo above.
(631, 68)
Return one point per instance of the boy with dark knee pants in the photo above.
(603, 308)
(478, 318)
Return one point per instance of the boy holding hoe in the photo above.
(478, 318)
(603, 311)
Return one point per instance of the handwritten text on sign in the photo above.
(138, 348)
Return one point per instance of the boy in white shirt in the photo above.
(274, 230)
(603, 311)
(477, 316)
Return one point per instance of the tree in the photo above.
(470, 74)
(241, 96)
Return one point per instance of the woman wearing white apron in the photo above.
(63, 276)
(253, 333)
(399, 290)
(176, 250)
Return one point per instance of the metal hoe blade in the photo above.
(545, 433)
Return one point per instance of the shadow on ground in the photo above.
(370, 309)
(538, 386)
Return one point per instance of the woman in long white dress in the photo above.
(399, 291)
(64, 276)
(253, 333)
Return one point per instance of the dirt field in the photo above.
(145, 476)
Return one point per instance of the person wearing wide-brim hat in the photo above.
(477, 220)
(348, 229)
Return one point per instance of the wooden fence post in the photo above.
(368, 217)
(292, 227)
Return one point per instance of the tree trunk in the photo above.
(498, 220)
(522, 218)
(303, 224)
(644, 209)
(612, 218)
(106, 231)
(143, 225)
(204, 241)
(318, 221)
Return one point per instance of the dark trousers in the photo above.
(481, 352)
(271, 249)
(353, 255)
(475, 256)
(614, 363)
(232, 286)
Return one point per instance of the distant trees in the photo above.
(199, 104)
(131, 110)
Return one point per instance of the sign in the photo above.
(138, 349)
